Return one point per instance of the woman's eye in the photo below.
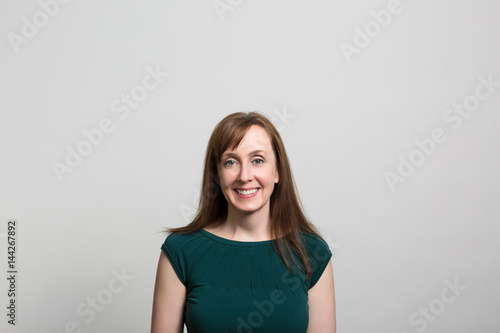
(230, 162)
(258, 161)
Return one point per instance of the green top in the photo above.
(235, 286)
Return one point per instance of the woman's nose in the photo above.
(245, 173)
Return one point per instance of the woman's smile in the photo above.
(246, 193)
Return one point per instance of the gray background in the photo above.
(349, 120)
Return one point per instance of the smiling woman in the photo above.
(246, 177)
(250, 261)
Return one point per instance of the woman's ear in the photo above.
(277, 178)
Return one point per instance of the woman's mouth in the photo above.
(246, 193)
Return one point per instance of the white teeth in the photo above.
(247, 192)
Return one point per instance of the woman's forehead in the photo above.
(256, 138)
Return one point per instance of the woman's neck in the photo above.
(246, 227)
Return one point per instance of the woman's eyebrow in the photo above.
(259, 151)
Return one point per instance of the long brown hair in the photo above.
(286, 214)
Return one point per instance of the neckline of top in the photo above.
(235, 242)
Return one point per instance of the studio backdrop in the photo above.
(389, 111)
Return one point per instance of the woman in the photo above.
(250, 261)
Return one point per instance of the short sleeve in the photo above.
(172, 247)
(319, 255)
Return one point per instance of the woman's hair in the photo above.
(286, 215)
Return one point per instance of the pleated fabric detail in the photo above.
(233, 267)
(233, 284)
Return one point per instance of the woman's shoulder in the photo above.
(180, 240)
(318, 254)
(177, 235)
(314, 240)
(316, 246)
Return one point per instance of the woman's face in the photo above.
(247, 174)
